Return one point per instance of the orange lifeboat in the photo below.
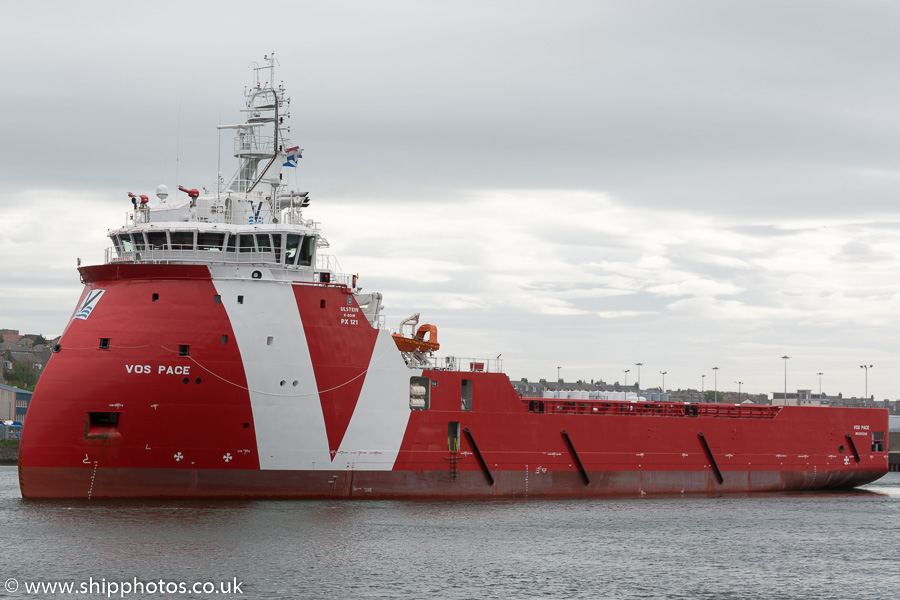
(418, 343)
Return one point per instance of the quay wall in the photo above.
(9, 455)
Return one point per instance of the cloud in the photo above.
(595, 185)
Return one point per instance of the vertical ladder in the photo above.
(454, 459)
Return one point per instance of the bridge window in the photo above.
(129, 242)
(157, 240)
(232, 238)
(182, 240)
(210, 241)
(307, 250)
(125, 243)
(263, 242)
(291, 248)
(246, 244)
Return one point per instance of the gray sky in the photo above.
(577, 184)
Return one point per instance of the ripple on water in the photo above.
(793, 546)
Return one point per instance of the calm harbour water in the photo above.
(810, 545)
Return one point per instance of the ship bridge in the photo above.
(174, 243)
(248, 227)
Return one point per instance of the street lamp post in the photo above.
(785, 358)
(626, 376)
(663, 373)
(866, 367)
(702, 382)
(639, 365)
(558, 381)
(820, 384)
(716, 383)
(740, 383)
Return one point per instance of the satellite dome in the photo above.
(162, 192)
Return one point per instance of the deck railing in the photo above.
(324, 262)
(650, 409)
(254, 144)
(475, 365)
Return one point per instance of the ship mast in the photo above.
(265, 105)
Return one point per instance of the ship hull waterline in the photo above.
(88, 483)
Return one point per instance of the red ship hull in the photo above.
(229, 484)
(179, 384)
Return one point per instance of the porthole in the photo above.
(185, 381)
(296, 383)
(282, 383)
(256, 275)
(841, 448)
(198, 381)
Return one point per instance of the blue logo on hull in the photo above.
(90, 303)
